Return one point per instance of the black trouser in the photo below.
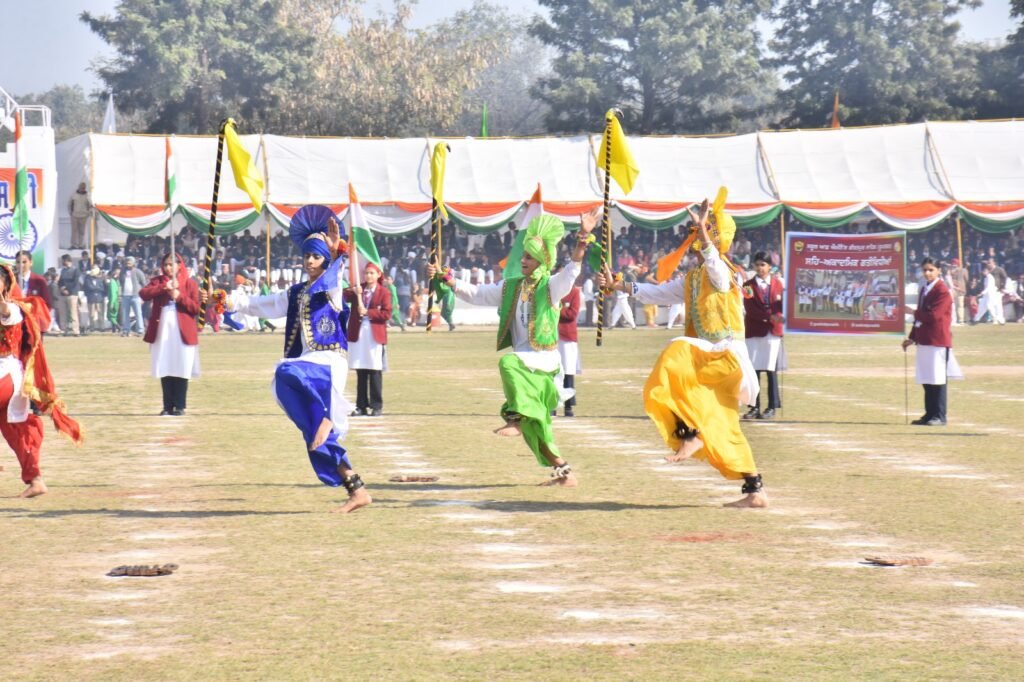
(774, 401)
(175, 390)
(369, 389)
(569, 381)
(935, 401)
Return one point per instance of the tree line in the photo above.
(323, 67)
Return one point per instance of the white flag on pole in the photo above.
(109, 121)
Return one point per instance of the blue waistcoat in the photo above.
(314, 316)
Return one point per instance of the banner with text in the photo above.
(844, 284)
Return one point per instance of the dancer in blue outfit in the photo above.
(310, 380)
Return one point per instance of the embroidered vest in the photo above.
(315, 317)
(711, 314)
(542, 327)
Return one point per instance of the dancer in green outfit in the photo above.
(528, 305)
(114, 299)
(396, 307)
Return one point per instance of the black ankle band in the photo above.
(752, 484)
(684, 432)
(561, 471)
(353, 483)
(512, 417)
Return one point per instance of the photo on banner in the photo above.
(845, 283)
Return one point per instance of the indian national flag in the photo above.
(172, 177)
(360, 232)
(511, 265)
(20, 221)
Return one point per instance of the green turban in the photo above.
(542, 237)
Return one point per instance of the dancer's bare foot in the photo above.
(750, 501)
(686, 450)
(35, 488)
(321, 434)
(568, 481)
(509, 430)
(358, 498)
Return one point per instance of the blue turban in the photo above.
(308, 229)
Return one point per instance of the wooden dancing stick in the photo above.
(435, 255)
(207, 281)
(606, 217)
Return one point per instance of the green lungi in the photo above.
(533, 396)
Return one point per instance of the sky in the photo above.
(50, 46)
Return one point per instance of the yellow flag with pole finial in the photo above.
(437, 163)
(247, 177)
(623, 167)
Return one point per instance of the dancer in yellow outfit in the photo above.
(699, 382)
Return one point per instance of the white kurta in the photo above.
(367, 353)
(275, 306)
(559, 285)
(990, 301)
(764, 352)
(170, 356)
(18, 407)
(934, 366)
(721, 277)
(676, 310)
(569, 353)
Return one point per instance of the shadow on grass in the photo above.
(818, 421)
(427, 487)
(947, 434)
(140, 513)
(148, 415)
(497, 417)
(536, 506)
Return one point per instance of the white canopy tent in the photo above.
(910, 176)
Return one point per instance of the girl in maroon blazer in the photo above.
(172, 332)
(934, 338)
(367, 341)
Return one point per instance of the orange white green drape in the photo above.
(402, 218)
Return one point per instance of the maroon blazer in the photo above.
(37, 286)
(187, 305)
(758, 313)
(567, 314)
(378, 312)
(933, 317)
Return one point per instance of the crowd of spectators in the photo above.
(241, 260)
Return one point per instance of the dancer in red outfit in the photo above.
(25, 380)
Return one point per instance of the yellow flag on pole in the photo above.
(623, 167)
(437, 163)
(247, 177)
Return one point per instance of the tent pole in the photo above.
(782, 238)
(959, 240)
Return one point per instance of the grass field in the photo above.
(638, 574)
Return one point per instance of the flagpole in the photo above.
(266, 175)
(170, 202)
(435, 250)
(606, 216)
(213, 220)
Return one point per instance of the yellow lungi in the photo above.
(702, 389)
